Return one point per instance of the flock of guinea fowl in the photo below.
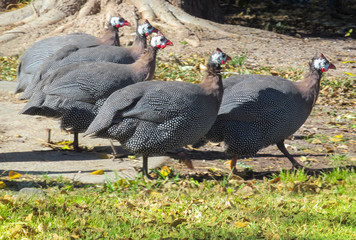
(95, 86)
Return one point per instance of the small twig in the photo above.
(34, 10)
(48, 135)
(235, 73)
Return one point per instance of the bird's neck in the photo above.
(309, 87)
(111, 37)
(146, 64)
(139, 45)
(212, 83)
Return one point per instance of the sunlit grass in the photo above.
(8, 66)
(289, 206)
(339, 90)
(19, 4)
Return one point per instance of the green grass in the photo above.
(8, 66)
(334, 90)
(290, 206)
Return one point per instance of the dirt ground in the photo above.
(262, 48)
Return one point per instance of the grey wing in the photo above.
(111, 112)
(254, 96)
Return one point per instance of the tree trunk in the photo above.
(206, 9)
(45, 18)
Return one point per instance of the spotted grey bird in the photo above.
(32, 59)
(98, 53)
(154, 117)
(257, 110)
(75, 92)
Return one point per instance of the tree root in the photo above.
(50, 17)
(175, 17)
(45, 12)
(16, 16)
(50, 12)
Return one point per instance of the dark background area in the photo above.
(299, 18)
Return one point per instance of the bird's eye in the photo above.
(224, 55)
(150, 27)
(121, 20)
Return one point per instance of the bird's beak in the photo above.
(228, 58)
(169, 43)
(332, 66)
(126, 23)
(155, 30)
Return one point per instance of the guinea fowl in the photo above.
(258, 111)
(154, 117)
(98, 53)
(34, 56)
(74, 93)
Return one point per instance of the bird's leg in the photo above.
(187, 161)
(76, 142)
(145, 167)
(113, 148)
(115, 154)
(283, 149)
(233, 165)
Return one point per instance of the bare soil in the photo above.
(262, 48)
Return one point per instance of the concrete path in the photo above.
(22, 149)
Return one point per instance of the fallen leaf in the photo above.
(343, 147)
(316, 141)
(18, 229)
(153, 193)
(275, 180)
(241, 224)
(132, 156)
(29, 217)
(104, 156)
(337, 138)
(65, 147)
(246, 191)
(14, 175)
(2, 185)
(178, 221)
(191, 148)
(97, 172)
(236, 177)
(165, 171)
(5, 201)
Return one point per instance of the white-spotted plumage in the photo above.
(257, 110)
(74, 92)
(71, 54)
(154, 117)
